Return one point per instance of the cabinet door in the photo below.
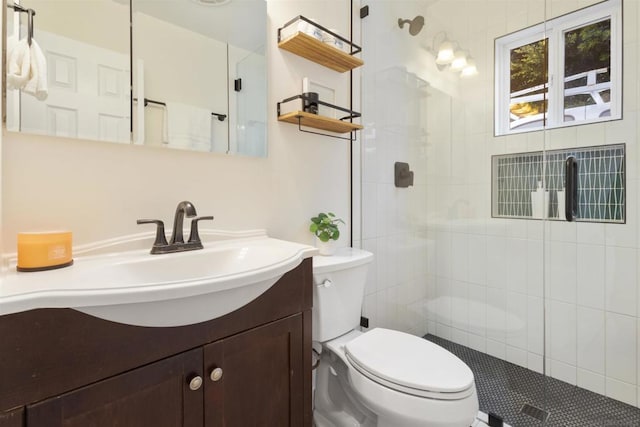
(13, 418)
(261, 382)
(156, 395)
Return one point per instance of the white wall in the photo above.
(484, 282)
(98, 190)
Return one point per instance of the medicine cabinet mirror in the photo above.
(181, 58)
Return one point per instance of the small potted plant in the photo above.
(325, 228)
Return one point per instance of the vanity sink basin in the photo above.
(137, 288)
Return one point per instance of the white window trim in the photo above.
(554, 31)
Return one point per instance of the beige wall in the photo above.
(103, 23)
(98, 190)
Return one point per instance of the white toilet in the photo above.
(381, 377)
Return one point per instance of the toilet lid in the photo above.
(409, 361)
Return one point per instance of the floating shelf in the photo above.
(314, 50)
(316, 121)
(319, 122)
(311, 48)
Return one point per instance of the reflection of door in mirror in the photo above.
(85, 70)
(187, 55)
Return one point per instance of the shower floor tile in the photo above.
(503, 388)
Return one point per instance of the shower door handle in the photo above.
(571, 186)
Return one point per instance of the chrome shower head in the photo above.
(415, 25)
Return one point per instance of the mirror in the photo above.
(187, 57)
(198, 67)
(80, 64)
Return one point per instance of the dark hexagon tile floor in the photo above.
(503, 388)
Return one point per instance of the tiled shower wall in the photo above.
(443, 264)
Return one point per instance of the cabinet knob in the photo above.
(216, 374)
(195, 383)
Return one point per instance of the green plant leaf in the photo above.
(331, 214)
(324, 236)
(335, 235)
(315, 220)
(322, 215)
(313, 227)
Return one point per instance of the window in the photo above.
(563, 72)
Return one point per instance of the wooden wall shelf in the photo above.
(319, 122)
(314, 50)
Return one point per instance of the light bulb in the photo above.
(470, 70)
(459, 61)
(445, 53)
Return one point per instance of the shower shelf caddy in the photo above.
(315, 50)
(316, 121)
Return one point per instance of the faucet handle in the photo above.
(161, 239)
(194, 237)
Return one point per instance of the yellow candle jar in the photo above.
(46, 250)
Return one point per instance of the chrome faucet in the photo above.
(177, 243)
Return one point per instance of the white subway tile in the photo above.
(496, 349)
(561, 262)
(460, 305)
(535, 362)
(535, 317)
(478, 343)
(371, 286)
(621, 391)
(459, 337)
(562, 231)
(443, 254)
(591, 276)
(591, 381)
(496, 314)
(591, 340)
(477, 257)
(443, 300)
(477, 310)
(621, 280)
(621, 347)
(516, 325)
(369, 210)
(516, 228)
(496, 262)
(459, 257)
(535, 268)
(517, 356)
(443, 331)
(562, 330)
(516, 260)
(564, 372)
(591, 233)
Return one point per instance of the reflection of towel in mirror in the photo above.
(27, 69)
(186, 126)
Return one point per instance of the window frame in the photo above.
(554, 31)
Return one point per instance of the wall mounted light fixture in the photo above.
(450, 56)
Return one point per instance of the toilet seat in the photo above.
(409, 364)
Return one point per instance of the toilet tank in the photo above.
(338, 292)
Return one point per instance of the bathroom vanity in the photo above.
(249, 367)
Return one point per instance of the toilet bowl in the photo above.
(380, 377)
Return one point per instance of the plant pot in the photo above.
(326, 248)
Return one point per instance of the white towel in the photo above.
(186, 126)
(27, 69)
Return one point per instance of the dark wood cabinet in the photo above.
(260, 380)
(251, 367)
(154, 395)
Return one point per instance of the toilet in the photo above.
(381, 377)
